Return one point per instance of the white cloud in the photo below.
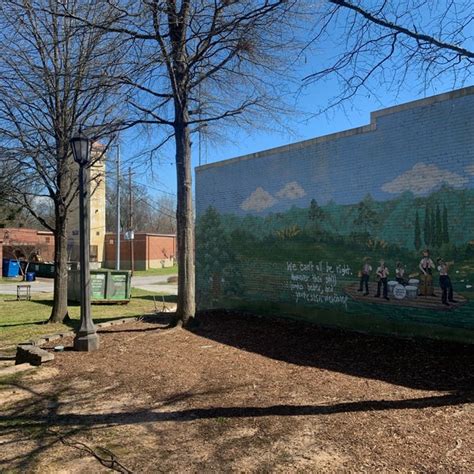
(258, 201)
(470, 169)
(291, 191)
(422, 179)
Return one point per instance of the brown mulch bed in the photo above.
(240, 393)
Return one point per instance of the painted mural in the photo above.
(388, 248)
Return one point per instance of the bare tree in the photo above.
(165, 211)
(54, 75)
(150, 214)
(204, 62)
(383, 44)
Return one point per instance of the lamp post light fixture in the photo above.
(86, 337)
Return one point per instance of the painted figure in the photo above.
(382, 280)
(426, 266)
(365, 275)
(445, 282)
(400, 274)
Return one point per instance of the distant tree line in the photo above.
(150, 214)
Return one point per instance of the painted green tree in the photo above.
(218, 273)
(433, 228)
(427, 227)
(366, 218)
(445, 225)
(438, 228)
(315, 215)
(315, 212)
(417, 240)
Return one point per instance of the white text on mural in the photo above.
(311, 282)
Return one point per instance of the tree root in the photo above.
(110, 462)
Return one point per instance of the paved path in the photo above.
(41, 285)
(155, 283)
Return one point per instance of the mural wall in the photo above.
(370, 229)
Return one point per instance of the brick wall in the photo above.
(28, 238)
(288, 231)
(150, 251)
(161, 247)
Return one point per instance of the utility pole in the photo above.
(117, 241)
(131, 219)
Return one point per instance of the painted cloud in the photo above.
(258, 201)
(470, 169)
(422, 179)
(291, 191)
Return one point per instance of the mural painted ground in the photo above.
(245, 395)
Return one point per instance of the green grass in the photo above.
(24, 320)
(157, 271)
(17, 279)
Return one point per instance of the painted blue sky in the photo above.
(416, 150)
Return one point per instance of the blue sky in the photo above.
(160, 178)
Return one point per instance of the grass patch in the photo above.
(157, 271)
(24, 320)
(17, 279)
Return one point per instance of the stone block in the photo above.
(32, 354)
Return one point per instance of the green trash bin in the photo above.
(107, 286)
(98, 285)
(118, 287)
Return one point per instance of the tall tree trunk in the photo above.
(59, 312)
(186, 308)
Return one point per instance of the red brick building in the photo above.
(41, 240)
(149, 251)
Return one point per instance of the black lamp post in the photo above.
(86, 338)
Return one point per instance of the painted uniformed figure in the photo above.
(400, 274)
(445, 282)
(426, 266)
(382, 276)
(365, 275)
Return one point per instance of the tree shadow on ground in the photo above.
(43, 411)
(421, 363)
(44, 302)
(30, 323)
(192, 414)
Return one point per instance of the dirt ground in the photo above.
(240, 393)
